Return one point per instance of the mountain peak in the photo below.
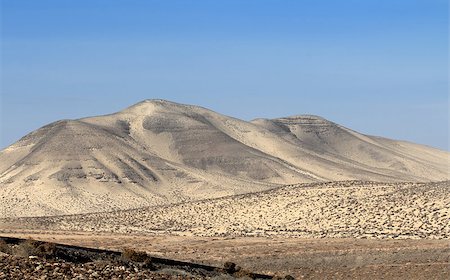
(155, 102)
(148, 106)
(159, 102)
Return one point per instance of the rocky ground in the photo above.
(31, 259)
(336, 230)
(13, 267)
(335, 258)
(349, 209)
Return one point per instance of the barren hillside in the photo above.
(336, 209)
(158, 152)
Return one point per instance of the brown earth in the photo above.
(301, 257)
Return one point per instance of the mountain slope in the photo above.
(382, 157)
(158, 152)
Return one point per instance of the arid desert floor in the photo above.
(336, 230)
(303, 258)
(348, 209)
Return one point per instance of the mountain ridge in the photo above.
(157, 152)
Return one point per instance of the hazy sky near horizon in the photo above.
(377, 66)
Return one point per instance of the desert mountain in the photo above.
(158, 152)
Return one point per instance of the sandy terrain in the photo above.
(349, 209)
(303, 258)
(158, 152)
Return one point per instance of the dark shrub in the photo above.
(230, 267)
(37, 248)
(4, 247)
(135, 256)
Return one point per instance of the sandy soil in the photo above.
(300, 257)
(350, 209)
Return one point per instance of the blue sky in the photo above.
(377, 66)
